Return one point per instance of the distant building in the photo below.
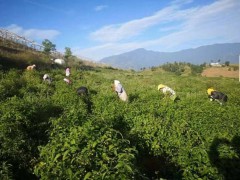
(216, 64)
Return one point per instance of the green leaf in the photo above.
(94, 144)
(119, 165)
(73, 141)
(65, 154)
(69, 171)
(110, 147)
(56, 157)
(87, 175)
(128, 168)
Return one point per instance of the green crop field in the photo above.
(49, 132)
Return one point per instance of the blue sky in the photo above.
(95, 29)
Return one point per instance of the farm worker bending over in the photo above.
(216, 95)
(68, 72)
(167, 91)
(118, 88)
(67, 81)
(81, 91)
(32, 67)
(47, 78)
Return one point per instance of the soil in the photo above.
(220, 72)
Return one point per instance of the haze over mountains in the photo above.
(141, 58)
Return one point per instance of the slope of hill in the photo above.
(19, 58)
(49, 132)
(140, 58)
(221, 72)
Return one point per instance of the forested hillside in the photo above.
(47, 131)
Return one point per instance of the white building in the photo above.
(216, 64)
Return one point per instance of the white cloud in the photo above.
(109, 49)
(33, 34)
(217, 22)
(100, 7)
(117, 32)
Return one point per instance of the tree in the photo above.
(204, 64)
(68, 53)
(48, 46)
(227, 63)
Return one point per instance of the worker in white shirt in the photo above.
(167, 91)
(118, 88)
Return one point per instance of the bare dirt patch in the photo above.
(220, 72)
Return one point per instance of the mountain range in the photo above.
(142, 58)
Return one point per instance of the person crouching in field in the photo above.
(32, 67)
(67, 71)
(68, 81)
(118, 88)
(47, 78)
(214, 95)
(82, 91)
(167, 91)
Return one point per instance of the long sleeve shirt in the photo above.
(119, 89)
(165, 90)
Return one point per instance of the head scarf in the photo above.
(210, 90)
(116, 82)
(160, 86)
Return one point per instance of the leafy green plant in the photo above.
(49, 132)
